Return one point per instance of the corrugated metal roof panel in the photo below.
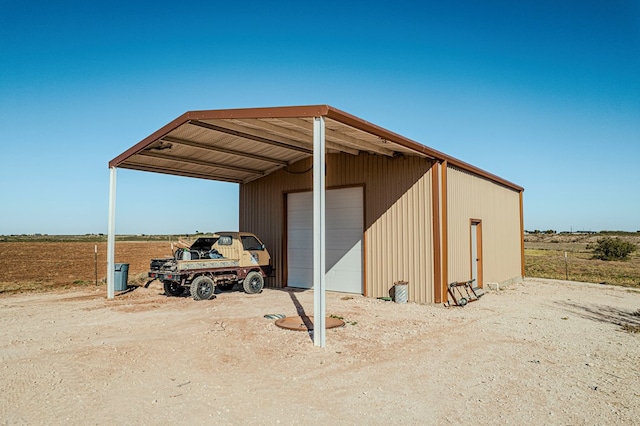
(266, 139)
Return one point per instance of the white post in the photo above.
(111, 238)
(319, 261)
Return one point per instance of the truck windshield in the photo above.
(249, 242)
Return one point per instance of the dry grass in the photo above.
(544, 258)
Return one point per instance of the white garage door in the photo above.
(344, 230)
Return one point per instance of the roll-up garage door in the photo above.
(344, 231)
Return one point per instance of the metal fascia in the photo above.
(366, 126)
(163, 131)
(267, 112)
(310, 111)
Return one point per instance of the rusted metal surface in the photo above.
(305, 323)
(461, 293)
(190, 265)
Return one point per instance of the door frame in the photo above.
(477, 225)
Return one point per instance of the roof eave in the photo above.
(240, 113)
(308, 111)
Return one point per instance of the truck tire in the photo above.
(253, 283)
(172, 288)
(202, 288)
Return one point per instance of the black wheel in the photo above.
(172, 289)
(202, 288)
(463, 301)
(225, 287)
(253, 283)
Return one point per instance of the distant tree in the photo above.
(608, 248)
(549, 231)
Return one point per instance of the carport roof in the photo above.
(241, 145)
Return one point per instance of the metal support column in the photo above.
(319, 261)
(111, 239)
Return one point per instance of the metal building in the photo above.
(383, 209)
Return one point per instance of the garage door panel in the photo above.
(345, 198)
(345, 281)
(300, 277)
(300, 201)
(346, 261)
(298, 237)
(299, 221)
(302, 256)
(343, 218)
(343, 236)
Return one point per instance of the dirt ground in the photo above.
(539, 352)
(45, 265)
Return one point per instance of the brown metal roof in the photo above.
(241, 145)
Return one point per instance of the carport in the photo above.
(240, 145)
(243, 145)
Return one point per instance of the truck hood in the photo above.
(203, 243)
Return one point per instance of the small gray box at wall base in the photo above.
(121, 276)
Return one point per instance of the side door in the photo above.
(476, 252)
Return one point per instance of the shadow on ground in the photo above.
(628, 320)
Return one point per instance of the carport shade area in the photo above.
(243, 145)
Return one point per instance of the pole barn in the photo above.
(343, 205)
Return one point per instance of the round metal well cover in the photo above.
(306, 323)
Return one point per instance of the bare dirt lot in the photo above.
(540, 352)
(28, 266)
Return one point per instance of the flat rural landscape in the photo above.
(545, 258)
(36, 263)
(545, 351)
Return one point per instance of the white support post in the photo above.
(319, 260)
(111, 238)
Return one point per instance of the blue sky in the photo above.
(543, 93)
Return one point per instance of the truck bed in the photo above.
(189, 265)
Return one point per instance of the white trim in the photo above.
(319, 259)
(111, 239)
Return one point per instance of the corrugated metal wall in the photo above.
(398, 216)
(472, 197)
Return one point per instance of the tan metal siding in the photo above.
(498, 207)
(398, 242)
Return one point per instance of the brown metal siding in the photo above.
(398, 243)
(498, 208)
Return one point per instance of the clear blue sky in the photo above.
(543, 93)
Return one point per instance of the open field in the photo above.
(36, 263)
(544, 258)
(36, 266)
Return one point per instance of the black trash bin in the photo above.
(121, 276)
